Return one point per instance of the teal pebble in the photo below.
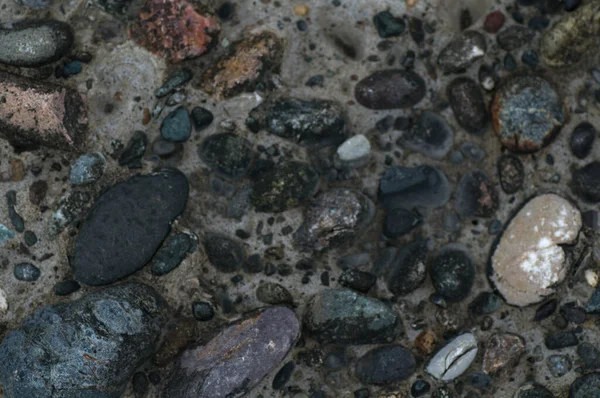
(177, 126)
(5, 235)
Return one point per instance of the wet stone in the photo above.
(502, 352)
(385, 365)
(228, 155)
(354, 279)
(399, 222)
(174, 81)
(202, 118)
(408, 270)
(476, 196)
(168, 257)
(203, 311)
(237, 359)
(454, 358)
(283, 187)
(123, 322)
(582, 139)
(514, 37)
(510, 173)
(485, 303)
(468, 105)
(452, 273)
(344, 317)
(587, 386)
(27, 272)
(527, 113)
(313, 122)
(176, 126)
(334, 217)
(559, 365)
(140, 211)
(586, 182)
(533, 390)
(430, 135)
(134, 151)
(462, 51)
(64, 288)
(273, 294)
(225, 254)
(387, 25)
(390, 89)
(528, 261)
(88, 169)
(558, 340)
(46, 41)
(421, 186)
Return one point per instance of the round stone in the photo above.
(514, 37)
(177, 126)
(399, 222)
(225, 254)
(202, 311)
(354, 148)
(586, 182)
(227, 154)
(587, 386)
(582, 139)
(453, 274)
(408, 270)
(27, 272)
(468, 105)
(533, 390)
(390, 89)
(202, 118)
(430, 135)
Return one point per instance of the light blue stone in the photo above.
(88, 168)
(5, 235)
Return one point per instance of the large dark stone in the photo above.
(390, 89)
(468, 105)
(237, 359)
(126, 226)
(399, 222)
(385, 365)
(587, 386)
(452, 273)
(88, 348)
(344, 317)
(582, 139)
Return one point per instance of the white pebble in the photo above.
(591, 277)
(3, 302)
(354, 148)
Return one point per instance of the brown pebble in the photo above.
(17, 170)
(502, 352)
(37, 192)
(301, 10)
(411, 3)
(147, 116)
(426, 342)
(494, 21)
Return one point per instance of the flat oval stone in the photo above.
(462, 51)
(514, 37)
(229, 155)
(177, 126)
(385, 365)
(139, 212)
(454, 358)
(476, 196)
(468, 105)
(430, 135)
(85, 348)
(237, 359)
(510, 173)
(35, 43)
(344, 317)
(421, 186)
(225, 254)
(527, 113)
(528, 261)
(582, 139)
(26, 272)
(390, 89)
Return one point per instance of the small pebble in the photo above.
(202, 311)
(64, 288)
(27, 272)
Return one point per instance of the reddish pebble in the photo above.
(494, 21)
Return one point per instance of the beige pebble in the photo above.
(411, 3)
(591, 277)
(301, 10)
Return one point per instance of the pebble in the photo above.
(472, 151)
(385, 365)
(140, 384)
(589, 355)
(273, 294)
(237, 359)
(134, 151)
(585, 182)
(284, 187)
(344, 317)
(70, 210)
(17, 170)
(462, 51)
(502, 352)
(46, 41)
(468, 105)
(354, 149)
(582, 139)
(476, 196)
(5, 235)
(64, 288)
(587, 386)
(485, 303)
(510, 173)
(593, 305)
(176, 126)
(3, 302)
(390, 89)
(228, 155)
(408, 270)
(163, 148)
(430, 135)
(529, 131)
(530, 58)
(16, 220)
(399, 222)
(494, 21)
(514, 37)
(568, 41)
(202, 118)
(454, 358)
(283, 376)
(510, 63)
(573, 313)
(176, 98)
(314, 122)
(27, 272)
(452, 273)
(419, 388)
(545, 310)
(559, 365)
(421, 186)
(571, 5)
(174, 251)
(558, 340)
(88, 168)
(225, 254)
(140, 211)
(123, 322)
(354, 279)
(203, 311)
(387, 25)
(177, 79)
(533, 390)
(528, 260)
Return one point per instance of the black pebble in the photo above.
(399, 222)
(64, 288)
(202, 118)
(358, 280)
(510, 173)
(202, 311)
(140, 384)
(27, 272)
(545, 310)
(420, 388)
(30, 238)
(225, 11)
(571, 5)
(453, 274)
(387, 25)
(225, 254)
(560, 340)
(586, 182)
(283, 376)
(510, 63)
(582, 139)
(302, 25)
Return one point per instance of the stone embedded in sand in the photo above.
(34, 114)
(527, 261)
(174, 29)
(462, 51)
